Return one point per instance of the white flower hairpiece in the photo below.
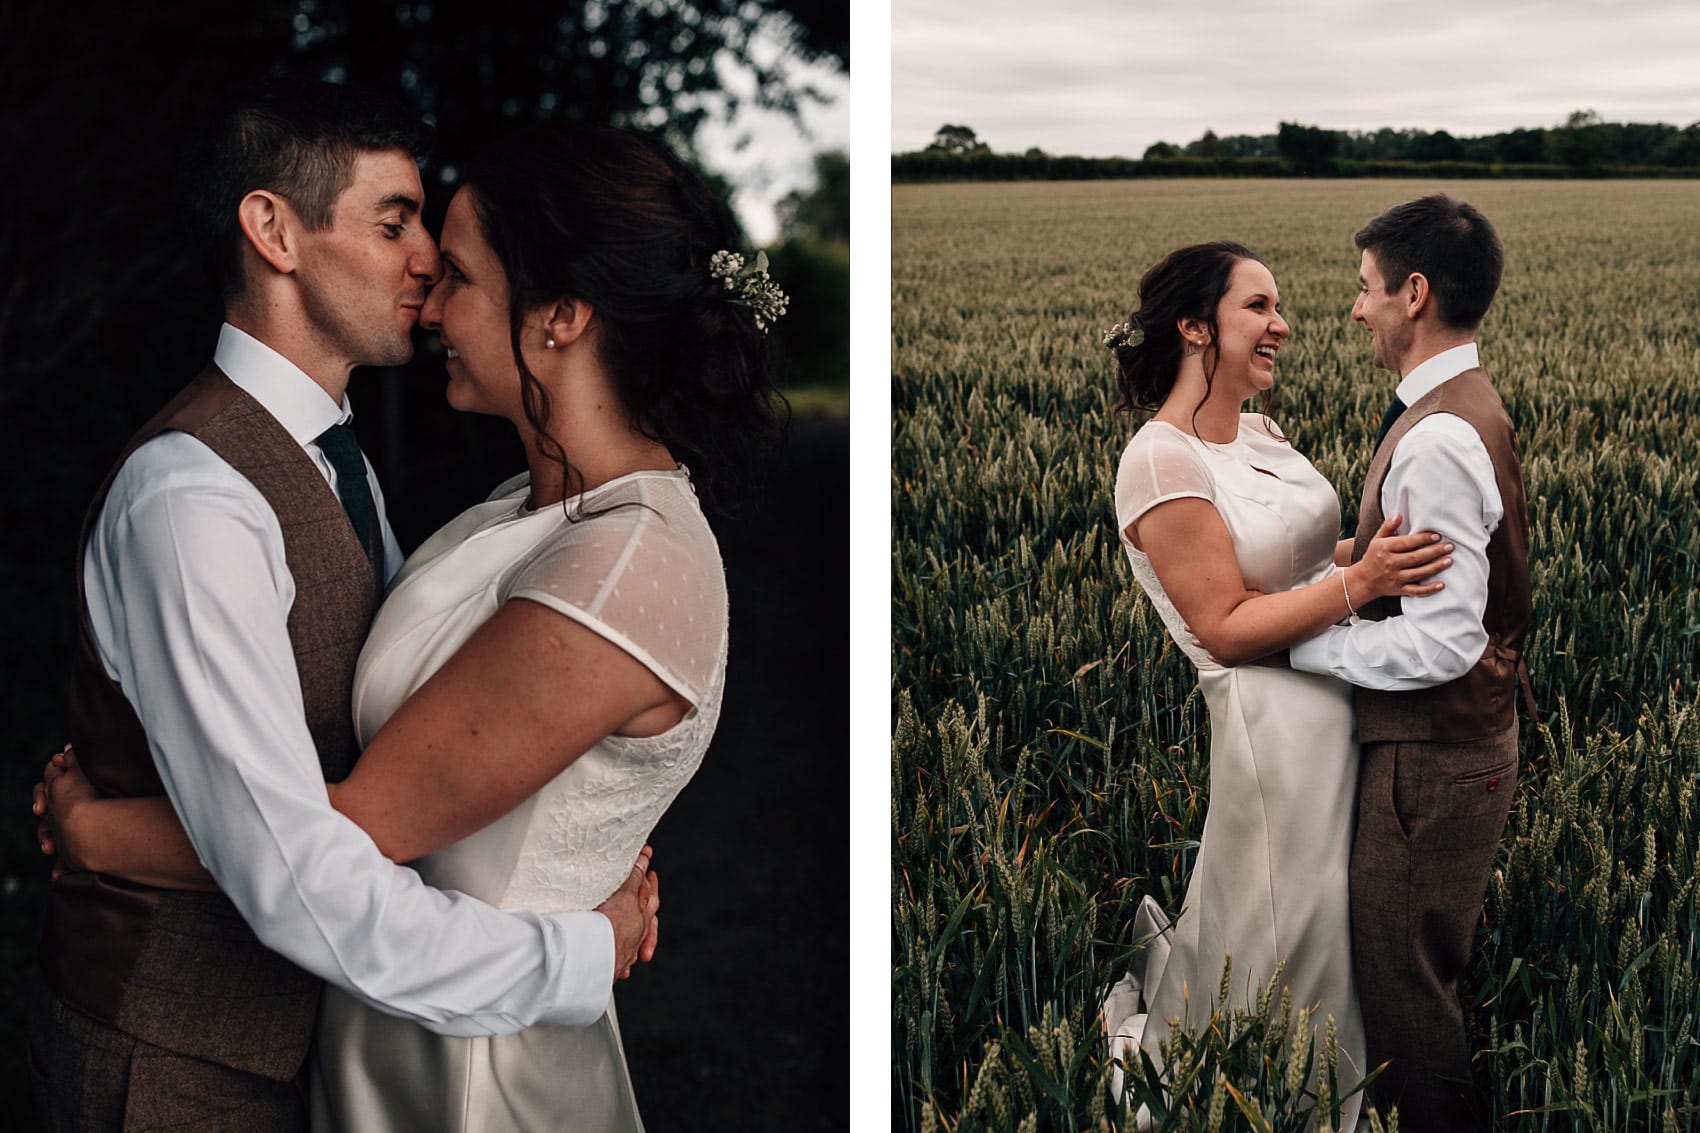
(1129, 333)
(749, 286)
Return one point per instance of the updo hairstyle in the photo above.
(1189, 282)
(614, 219)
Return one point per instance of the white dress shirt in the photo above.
(188, 601)
(1440, 479)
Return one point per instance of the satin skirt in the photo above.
(1272, 878)
(375, 1073)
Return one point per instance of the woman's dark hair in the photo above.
(1189, 282)
(1447, 240)
(614, 219)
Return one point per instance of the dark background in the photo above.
(742, 1020)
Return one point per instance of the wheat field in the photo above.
(1049, 756)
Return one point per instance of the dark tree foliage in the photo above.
(1206, 144)
(1475, 149)
(811, 344)
(823, 29)
(956, 139)
(94, 97)
(1249, 145)
(1385, 144)
(1583, 143)
(1681, 147)
(1638, 143)
(1438, 146)
(468, 65)
(823, 212)
(1520, 146)
(1307, 147)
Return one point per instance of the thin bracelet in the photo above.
(1351, 609)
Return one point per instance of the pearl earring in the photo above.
(548, 344)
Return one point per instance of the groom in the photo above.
(1435, 676)
(229, 568)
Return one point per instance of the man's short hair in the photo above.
(1450, 243)
(296, 138)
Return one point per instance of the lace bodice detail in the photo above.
(1282, 514)
(640, 568)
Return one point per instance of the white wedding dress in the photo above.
(1271, 877)
(642, 569)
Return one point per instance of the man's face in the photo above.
(363, 278)
(1384, 315)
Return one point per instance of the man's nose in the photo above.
(425, 263)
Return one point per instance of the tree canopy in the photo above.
(821, 212)
(90, 124)
(956, 139)
(1582, 142)
(1307, 147)
(1582, 145)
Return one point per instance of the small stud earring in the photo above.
(548, 344)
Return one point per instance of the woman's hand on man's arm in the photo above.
(139, 839)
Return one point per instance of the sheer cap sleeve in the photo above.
(644, 572)
(1158, 465)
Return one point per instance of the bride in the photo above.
(546, 671)
(1234, 537)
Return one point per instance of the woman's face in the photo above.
(468, 308)
(1249, 329)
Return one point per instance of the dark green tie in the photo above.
(1394, 409)
(343, 451)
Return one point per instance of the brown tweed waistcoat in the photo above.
(1482, 702)
(177, 969)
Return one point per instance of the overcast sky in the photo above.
(1109, 77)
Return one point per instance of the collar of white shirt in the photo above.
(1442, 367)
(300, 404)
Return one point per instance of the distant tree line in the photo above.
(1583, 145)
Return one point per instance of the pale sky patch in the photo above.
(765, 153)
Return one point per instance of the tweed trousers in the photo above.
(88, 1077)
(1430, 816)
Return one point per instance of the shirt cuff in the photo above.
(1312, 656)
(587, 971)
